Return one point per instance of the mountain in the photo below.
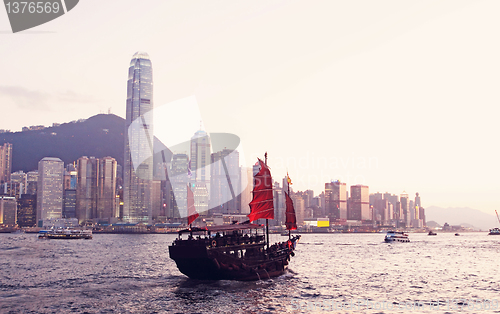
(98, 136)
(461, 216)
(432, 224)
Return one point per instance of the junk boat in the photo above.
(239, 251)
(396, 236)
(495, 231)
(65, 234)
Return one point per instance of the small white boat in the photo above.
(494, 231)
(396, 236)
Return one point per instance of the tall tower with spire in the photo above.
(138, 167)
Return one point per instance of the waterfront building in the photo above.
(70, 185)
(5, 162)
(106, 196)
(138, 166)
(335, 200)
(69, 203)
(8, 211)
(360, 203)
(26, 210)
(50, 188)
(87, 188)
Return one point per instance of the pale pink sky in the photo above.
(397, 95)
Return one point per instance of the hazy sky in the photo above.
(397, 95)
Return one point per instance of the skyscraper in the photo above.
(335, 199)
(26, 210)
(106, 195)
(86, 188)
(5, 162)
(360, 203)
(200, 167)
(138, 167)
(405, 209)
(50, 188)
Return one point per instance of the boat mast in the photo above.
(497, 216)
(267, 220)
(288, 186)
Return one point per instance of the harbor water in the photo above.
(330, 273)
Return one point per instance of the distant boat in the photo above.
(65, 234)
(432, 233)
(396, 236)
(495, 231)
(457, 234)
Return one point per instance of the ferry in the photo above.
(396, 236)
(494, 231)
(65, 234)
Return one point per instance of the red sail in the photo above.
(291, 220)
(192, 214)
(262, 205)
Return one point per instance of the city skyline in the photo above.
(394, 96)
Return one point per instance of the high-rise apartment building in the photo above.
(138, 167)
(50, 188)
(5, 162)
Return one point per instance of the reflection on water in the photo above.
(133, 274)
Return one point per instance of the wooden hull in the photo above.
(216, 263)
